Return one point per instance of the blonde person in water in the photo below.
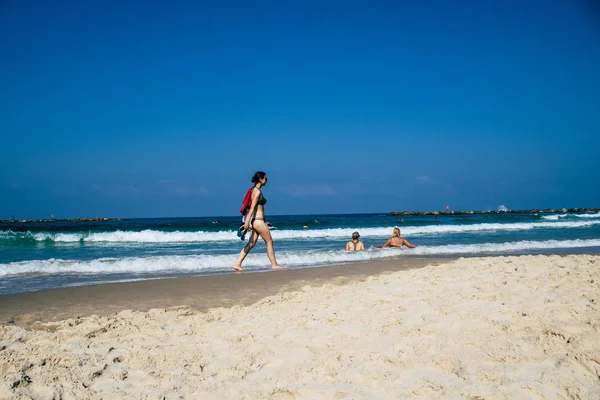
(255, 219)
(355, 244)
(396, 241)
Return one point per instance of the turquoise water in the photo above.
(51, 255)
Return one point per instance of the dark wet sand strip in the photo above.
(200, 293)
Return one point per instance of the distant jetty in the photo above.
(533, 211)
(38, 221)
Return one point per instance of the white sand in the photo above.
(487, 328)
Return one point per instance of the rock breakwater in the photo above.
(532, 211)
(50, 220)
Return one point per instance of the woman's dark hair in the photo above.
(258, 176)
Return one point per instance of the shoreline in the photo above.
(202, 292)
(199, 292)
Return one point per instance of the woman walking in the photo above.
(255, 219)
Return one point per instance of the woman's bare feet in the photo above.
(277, 266)
(238, 268)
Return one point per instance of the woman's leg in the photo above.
(249, 246)
(265, 233)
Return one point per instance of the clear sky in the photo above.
(167, 108)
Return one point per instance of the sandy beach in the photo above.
(478, 328)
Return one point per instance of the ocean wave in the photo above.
(154, 236)
(556, 217)
(205, 264)
(551, 217)
(483, 248)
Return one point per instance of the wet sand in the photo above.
(200, 293)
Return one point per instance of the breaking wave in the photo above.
(556, 217)
(154, 236)
(209, 264)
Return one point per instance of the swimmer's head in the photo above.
(355, 236)
(396, 232)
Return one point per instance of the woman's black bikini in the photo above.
(397, 247)
(261, 202)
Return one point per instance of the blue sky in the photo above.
(155, 109)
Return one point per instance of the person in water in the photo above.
(396, 241)
(355, 244)
(255, 219)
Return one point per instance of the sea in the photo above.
(40, 256)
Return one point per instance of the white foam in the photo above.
(153, 236)
(550, 217)
(597, 215)
(555, 217)
(504, 247)
(222, 263)
(518, 226)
